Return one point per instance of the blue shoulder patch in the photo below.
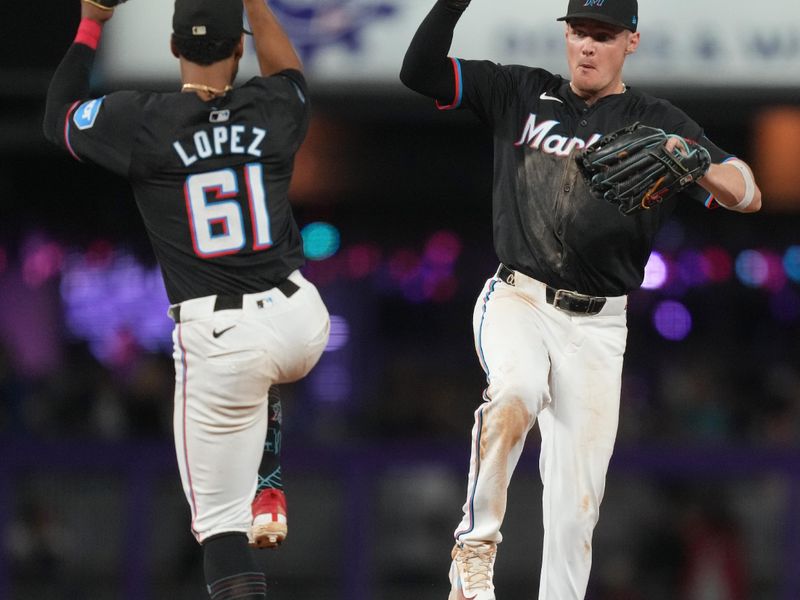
(85, 115)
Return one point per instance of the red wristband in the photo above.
(89, 33)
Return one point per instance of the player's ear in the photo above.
(173, 48)
(633, 43)
(239, 51)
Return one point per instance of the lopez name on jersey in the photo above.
(222, 140)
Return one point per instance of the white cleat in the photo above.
(472, 571)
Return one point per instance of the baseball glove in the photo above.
(105, 4)
(633, 169)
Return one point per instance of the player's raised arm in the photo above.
(273, 47)
(71, 79)
(426, 68)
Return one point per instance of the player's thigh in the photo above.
(295, 335)
(586, 387)
(510, 339)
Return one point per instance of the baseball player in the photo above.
(210, 167)
(550, 325)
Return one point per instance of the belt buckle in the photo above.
(565, 300)
(559, 296)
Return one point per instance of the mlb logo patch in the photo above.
(86, 114)
(219, 116)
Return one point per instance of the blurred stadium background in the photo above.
(394, 201)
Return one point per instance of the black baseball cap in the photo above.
(208, 19)
(623, 13)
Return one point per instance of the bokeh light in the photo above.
(115, 305)
(443, 248)
(656, 272)
(791, 263)
(752, 268)
(672, 320)
(331, 382)
(340, 334)
(691, 268)
(41, 261)
(320, 240)
(718, 264)
(362, 260)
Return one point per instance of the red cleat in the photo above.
(269, 526)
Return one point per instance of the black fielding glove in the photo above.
(632, 169)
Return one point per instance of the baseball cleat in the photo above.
(472, 571)
(269, 526)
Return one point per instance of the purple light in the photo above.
(752, 268)
(692, 268)
(672, 320)
(340, 334)
(331, 382)
(116, 305)
(3, 260)
(655, 272)
(443, 248)
(41, 261)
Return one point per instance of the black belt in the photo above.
(234, 301)
(565, 300)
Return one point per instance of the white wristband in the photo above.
(749, 186)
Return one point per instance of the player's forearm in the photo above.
(273, 47)
(733, 187)
(426, 68)
(70, 83)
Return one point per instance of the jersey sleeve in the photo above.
(684, 126)
(290, 89)
(486, 88)
(103, 130)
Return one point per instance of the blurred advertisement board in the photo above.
(697, 43)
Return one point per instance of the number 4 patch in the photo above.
(86, 114)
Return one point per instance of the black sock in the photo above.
(269, 471)
(231, 572)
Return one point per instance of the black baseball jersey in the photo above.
(546, 222)
(210, 178)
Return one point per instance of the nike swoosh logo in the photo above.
(546, 96)
(219, 333)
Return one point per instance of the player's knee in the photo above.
(510, 418)
(527, 390)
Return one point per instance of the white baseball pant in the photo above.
(225, 363)
(565, 370)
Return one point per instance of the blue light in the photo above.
(791, 263)
(320, 240)
(752, 268)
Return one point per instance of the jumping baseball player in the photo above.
(210, 167)
(573, 229)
